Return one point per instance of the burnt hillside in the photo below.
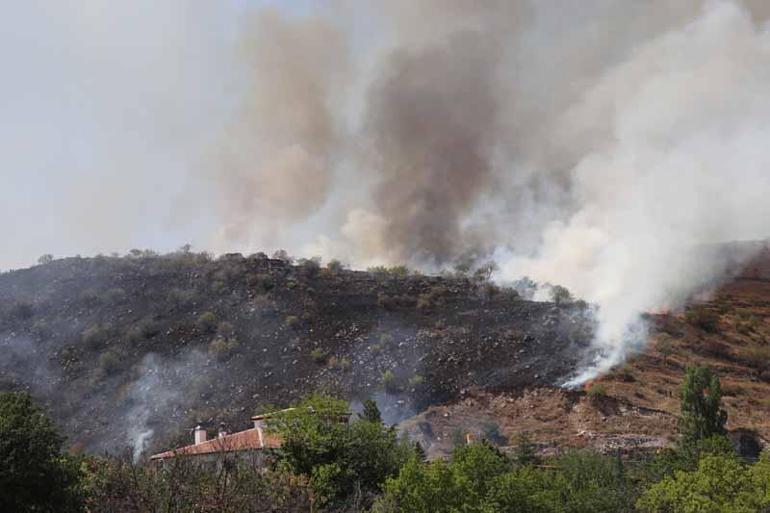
(141, 347)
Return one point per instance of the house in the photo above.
(253, 443)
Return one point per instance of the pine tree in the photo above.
(702, 414)
(371, 412)
(420, 452)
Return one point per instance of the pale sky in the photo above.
(106, 106)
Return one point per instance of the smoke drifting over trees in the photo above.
(593, 144)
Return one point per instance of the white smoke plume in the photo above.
(592, 144)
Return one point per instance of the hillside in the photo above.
(144, 347)
(637, 404)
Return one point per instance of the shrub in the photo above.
(416, 380)
(143, 330)
(45, 259)
(335, 266)
(225, 329)
(342, 364)
(597, 391)
(665, 347)
(222, 349)
(282, 255)
(261, 281)
(560, 295)
(115, 295)
(207, 322)
(183, 297)
(746, 324)
(291, 321)
(318, 355)
(434, 297)
(310, 266)
(703, 318)
(110, 362)
(41, 330)
(95, 335)
(398, 271)
(757, 355)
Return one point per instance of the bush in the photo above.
(207, 322)
(757, 355)
(703, 318)
(291, 321)
(95, 335)
(665, 347)
(225, 329)
(318, 355)
(597, 391)
(143, 330)
(343, 364)
(560, 295)
(746, 324)
(310, 266)
(222, 349)
(45, 259)
(34, 475)
(110, 362)
(335, 266)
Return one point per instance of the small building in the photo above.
(252, 443)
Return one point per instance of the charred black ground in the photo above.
(145, 346)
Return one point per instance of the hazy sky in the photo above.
(106, 107)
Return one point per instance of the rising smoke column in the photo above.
(680, 160)
(432, 124)
(274, 167)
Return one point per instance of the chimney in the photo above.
(222, 430)
(259, 425)
(200, 435)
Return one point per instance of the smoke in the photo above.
(275, 165)
(592, 144)
(163, 385)
(678, 163)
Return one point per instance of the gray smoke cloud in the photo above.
(592, 144)
(275, 166)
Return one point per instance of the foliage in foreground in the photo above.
(329, 464)
(34, 475)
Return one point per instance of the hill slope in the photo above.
(142, 348)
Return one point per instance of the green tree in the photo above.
(441, 487)
(525, 452)
(34, 475)
(371, 412)
(702, 415)
(560, 294)
(721, 484)
(338, 457)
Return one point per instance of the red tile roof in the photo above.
(242, 441)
